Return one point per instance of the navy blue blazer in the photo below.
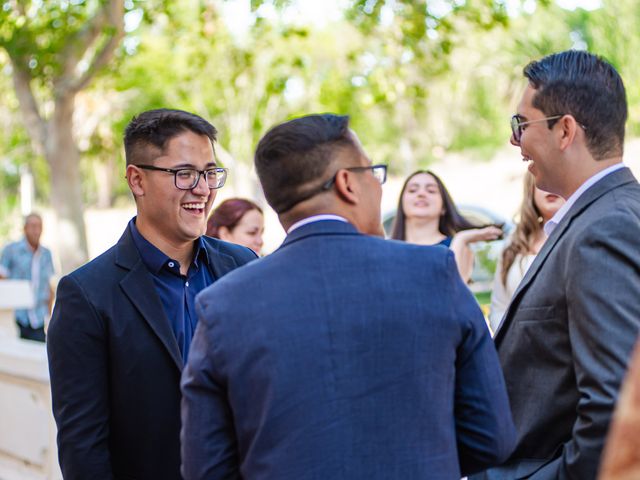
(342, 356)
(115, 367)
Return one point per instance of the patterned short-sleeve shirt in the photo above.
(20, 262)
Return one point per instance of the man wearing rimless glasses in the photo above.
(566, 338)
(122, 325)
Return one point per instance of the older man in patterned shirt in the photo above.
(26, 259)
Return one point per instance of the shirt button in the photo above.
(187, 284)
(171, 264)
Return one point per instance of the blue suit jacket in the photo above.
(342, 356)
(115, 367)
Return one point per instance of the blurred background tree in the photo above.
(419, 79)
(55, 48)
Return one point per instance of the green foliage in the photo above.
(430, 30)
(417, 77)
(41, 35)
(484, 300)
(611, 32)
(15, 154)
(9, 184)
(36, 31)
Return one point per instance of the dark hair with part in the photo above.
(588, 88)
(451, 221)
(228, 214)
(292, 159)
(148, 133)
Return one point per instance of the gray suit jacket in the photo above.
(566, 338)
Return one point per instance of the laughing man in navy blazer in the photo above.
(341, 355)
(123, 323)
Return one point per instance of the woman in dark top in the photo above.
(426, 215)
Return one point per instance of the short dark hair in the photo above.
(451, 221)
(587, 87)
(154, 128)
(292, 158)
(228, 214)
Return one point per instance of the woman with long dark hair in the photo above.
(427, 215)
(238, 220)
(536, 209)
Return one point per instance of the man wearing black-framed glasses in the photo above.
(566, 338)
(122, 326)
(353, 356)
(188, 178)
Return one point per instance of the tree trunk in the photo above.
(66, 192)
(100, 36)
(105, 179)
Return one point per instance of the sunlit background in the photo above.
(426, 84)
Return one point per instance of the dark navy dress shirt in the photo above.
(177, 292)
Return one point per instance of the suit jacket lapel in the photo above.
(220, 263)
(604, 185)
(138, 286)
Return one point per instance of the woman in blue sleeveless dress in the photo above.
(426, 215)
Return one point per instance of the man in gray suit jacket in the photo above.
(566, 338)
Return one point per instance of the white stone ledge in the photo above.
(24, 359)
(27, 429)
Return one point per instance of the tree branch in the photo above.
(75, 48)
(110, 16)
(99, 60)
(36, 126)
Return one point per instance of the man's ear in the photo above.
(346, 187)
(134, 179)
(568, 131)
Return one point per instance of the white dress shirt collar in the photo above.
(557, 218)
(316, 218)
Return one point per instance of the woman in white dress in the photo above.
(536, 209)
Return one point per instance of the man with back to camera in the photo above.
(28, 259)
(566, 338)
(122, 325)
(352, 357)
